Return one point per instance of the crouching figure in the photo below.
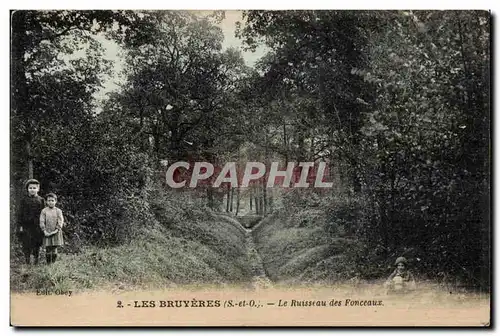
(401, 280)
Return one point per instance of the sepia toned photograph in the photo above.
(253, 168)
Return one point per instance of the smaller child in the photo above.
(51, 223)
(401, 280)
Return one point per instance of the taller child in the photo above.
(28, 221)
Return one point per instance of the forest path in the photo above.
(260, 280)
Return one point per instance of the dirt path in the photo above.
(259, 276)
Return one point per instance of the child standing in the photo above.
(401, 280)
(51, 223)
(28, 228)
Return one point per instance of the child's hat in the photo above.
(401, 260)
(30, 181)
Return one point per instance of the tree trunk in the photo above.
(311, 151)
(174, 145)
(19, 96)
(210, 197)
(237, 200)
(301, 149)
(30, 159)
(257, 204)
(261, 201)
(232, 197)
(285, 143)
(251, 198)
(271, 201)
(356, 182)
(142, 136)
(156, 142)
(264, 197)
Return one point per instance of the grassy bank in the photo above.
(180, 243)
(301, 243)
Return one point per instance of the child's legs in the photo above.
(36, 243)
(26, 246)
(49, 254)
(54, 254)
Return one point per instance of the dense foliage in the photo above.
(397, 102)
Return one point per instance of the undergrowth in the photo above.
(175, 241)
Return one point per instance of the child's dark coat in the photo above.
(30, 235)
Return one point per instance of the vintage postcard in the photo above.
(250, 168)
